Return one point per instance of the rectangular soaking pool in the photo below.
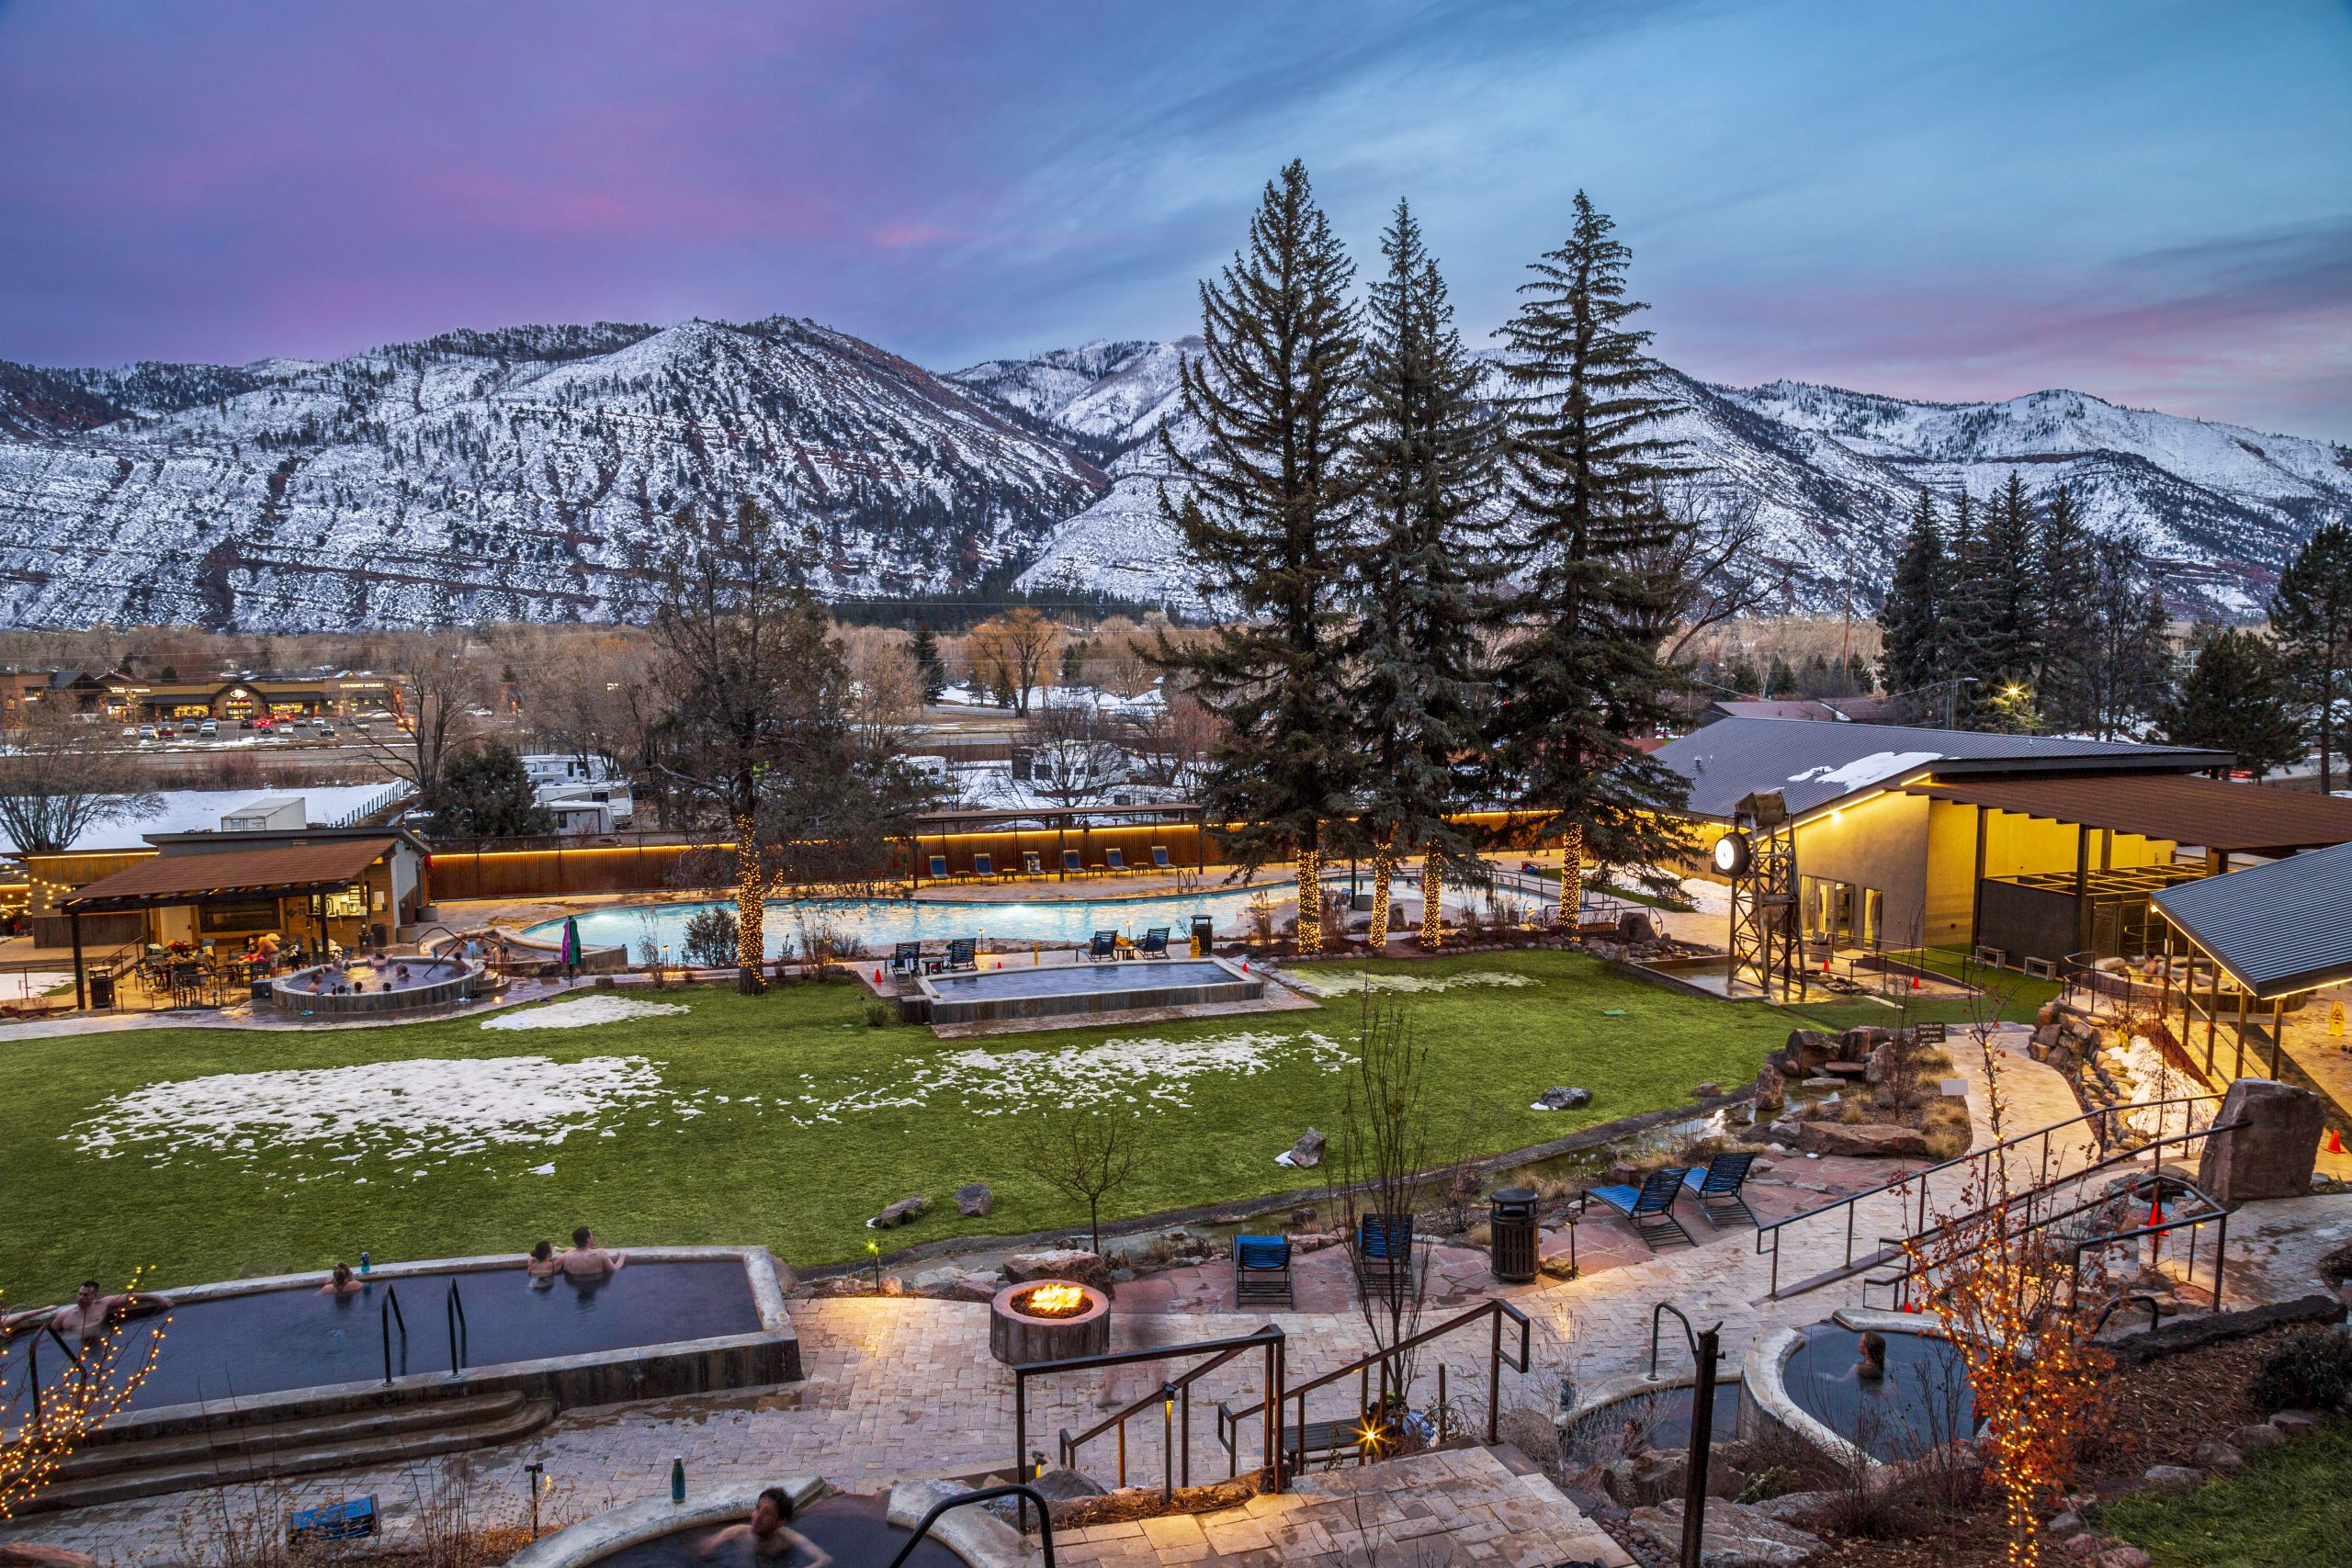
(1122, 985)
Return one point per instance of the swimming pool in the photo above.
(878, 923)
(1120, 987)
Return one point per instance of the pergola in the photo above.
(2275, 931)
(286, 870)
(1058, 820)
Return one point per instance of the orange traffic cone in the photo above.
(1914, 982)
(2335, 1142)
(2156, 1211)
(878, 976)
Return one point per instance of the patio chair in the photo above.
(906, 958)
(1383, 1250)
(1032, 863)
(1070, 864)
(939, 868)
(1648, 1208)
(963, 953)
(1114, 860)
(1717, 1188)
(1160, 858)
(1104, 945)
(1155, 943)
(1261, 1270)
(984, 867)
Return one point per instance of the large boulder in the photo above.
(1563, 1100)
(1734, 1535)
(1811, 1048)
(904, 1211)
(1771, 1092)
(1864, 1140)
(1306, 1154)
(973, 1200)
(1058, 1263)
(2272, 1156)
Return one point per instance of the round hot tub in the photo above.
(1047, 1320)
(1813, 1382)
(361, 987)
(855, 1531)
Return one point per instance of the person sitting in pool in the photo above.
(770, 1533)
(587, 1261)
(401, 974)
(84, 1318)
(1871, 1368)
(343, 1283)
(543, 1265)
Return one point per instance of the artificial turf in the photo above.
(734, 1149)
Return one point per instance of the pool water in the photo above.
(273, 1341)
(371, 975)
(1921, 1403)
(1082, 979)
(854, 1529)
(878, 923)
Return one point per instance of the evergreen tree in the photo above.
(1995, 615)
(2068, 567)
(1584, 679)
(1780, 681)
(486, 793)
(1912, 654)
(1424, 573)
(1266, 515)
(930, 671)
(2234, 698)
(2120, 652)
(2310, 614)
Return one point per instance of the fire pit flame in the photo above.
(1053, 1301)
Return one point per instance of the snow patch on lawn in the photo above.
(429, 1109)
(1346, 982)
(582, 1011)
(1139, 1072)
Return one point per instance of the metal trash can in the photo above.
(101, 990)
(264, 990)
(1204, 933)
(1511, 1233)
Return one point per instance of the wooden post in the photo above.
(1703, 1431)
(2217, 999)
(81, 987)
(2277, 1030)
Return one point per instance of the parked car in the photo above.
(326, 729)
(166, 732)
(208, 728)
(130, 732)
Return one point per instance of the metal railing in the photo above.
(2103, 1130)
(454, 1309)
(1176, 1437)
(1658, 1318)
(1027, 1495)
(388, 1315)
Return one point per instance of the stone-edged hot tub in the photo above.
(1047, 1320)
(856, 1531)
(376, 988)
(1802, 1382)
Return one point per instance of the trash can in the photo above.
(1510, 1235)
(101, 990)
(1204, 933)
(264, 990)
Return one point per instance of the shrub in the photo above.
(710, 938)
(880, 1015)
(2309, 1371)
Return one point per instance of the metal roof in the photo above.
(2179, 806)
(1815, 765)
(189, 878)
(2278, 929)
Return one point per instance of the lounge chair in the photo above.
(1160, 858)
(984, 866)
(1032, 863)
(1070, 864)
(1384, 1249)
(1717, 1188)
(1261, 1270)
(1104, 945)
(1114, 860)
(939, 868)
(963, 953)
(906, 958)
(1155, 943)
(1648, 1208)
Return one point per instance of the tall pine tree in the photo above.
(2311, 614)
(1995, 615)
(1912, 648)
(1424, 574)
(2120, 653)
(1266, 513)
(2068, 567)
(2234, 698)
(1583, 681)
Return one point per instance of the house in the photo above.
(1798, 708)
(2037, 846)
(563, 779)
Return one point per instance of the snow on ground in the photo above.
(429, 1110)
(21, 984)
(582, 1011)
(200, 810)
(1116, 1072)
(1345, 982)
(2140, 1070)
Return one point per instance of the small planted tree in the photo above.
(1083, 1152)
(1377, 1168)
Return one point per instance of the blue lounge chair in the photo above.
(1155, 943)
(906, 958)
(1069, 863)
(1384, 1249)
(984, 866)
(1114, 860)
(1648, 1208)
(1104, 945)
(1261, 1270)
(1160, 858)
(963, 953)
(939, 868)
(1717, 1188)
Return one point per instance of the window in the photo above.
(348, 904)
(246, 915)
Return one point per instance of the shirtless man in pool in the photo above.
(587, 1261)
(771, 1534)
(84, 1318)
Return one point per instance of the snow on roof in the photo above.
(200, 810)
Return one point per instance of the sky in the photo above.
(2150, 202)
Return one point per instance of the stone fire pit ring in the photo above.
(1019, 1338)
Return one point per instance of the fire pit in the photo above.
(1047, 1320)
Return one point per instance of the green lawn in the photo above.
(716, 1129)
(2289, 1509)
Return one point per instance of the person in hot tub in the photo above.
(770, 1535)
(586, 1260)
(543, 1265)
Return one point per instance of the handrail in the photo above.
(2155, 1312)
(1170, 1391)
(454, 1309)
(1494, 1309)
(1901, 1186)
(1688, 1333)
(985, 1495)
(1269, 1339)
(388, 1313)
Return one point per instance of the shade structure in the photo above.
(2278, 929)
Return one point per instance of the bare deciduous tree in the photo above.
(1083, 1152)
(1074, 750)
(1711, 565)
(61, 776)
(1015, 651)
(1172, 743)
(1379, 1168)
(440, 688)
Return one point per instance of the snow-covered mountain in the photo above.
(519, 474)
(1833, 476)
(509, 475)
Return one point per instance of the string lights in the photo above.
(1310, 899)
(83, 1395)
